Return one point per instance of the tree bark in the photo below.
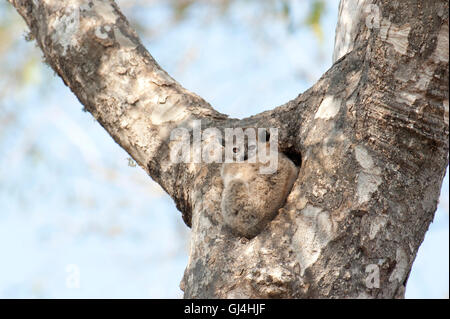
(370, 139)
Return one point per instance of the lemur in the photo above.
(251, 199)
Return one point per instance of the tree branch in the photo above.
(92, 47)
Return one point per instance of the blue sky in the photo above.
(72, 207)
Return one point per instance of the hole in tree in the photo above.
(294, 155)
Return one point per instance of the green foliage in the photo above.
(17, 57)
(272, 9)
(314, 17)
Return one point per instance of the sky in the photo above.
(78, 220)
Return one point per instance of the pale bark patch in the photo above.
(350, 14)
(363, 157)
(425, 77)
(328, 108)
(367, 185)
(401, 267)
(104, 9)
(352, 81)
(441, 52)
(395, 35)
(162, 114)
(407, 98)
(378, 223)
(66, 27)
(100, 34)
(368, 179)
(445, 103)
(314, 231)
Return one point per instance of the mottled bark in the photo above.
(371, 137)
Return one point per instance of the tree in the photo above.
(370, 139)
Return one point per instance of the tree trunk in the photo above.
(370, 139)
